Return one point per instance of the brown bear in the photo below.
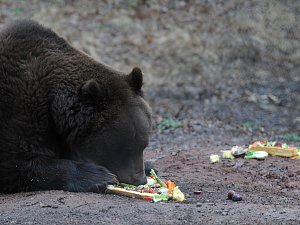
(67, 122)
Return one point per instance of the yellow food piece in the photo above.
(178, 195)
(227, 154)
(214, 158)
(128, 193)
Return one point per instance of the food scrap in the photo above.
(228, 154)
(232, 195)
(258, 150)
(214, 158)
(155, 190)
(274, 148)
(256, 155)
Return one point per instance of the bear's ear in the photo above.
(135, 79)
(92, 92)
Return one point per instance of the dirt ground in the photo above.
(217, 74)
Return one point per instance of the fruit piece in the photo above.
(236, 197)
(178, 195)
(214, 158)
(258, 143)
(170, 185)
(197, 192)
(227, 154)
(230, 194)
(277, 144)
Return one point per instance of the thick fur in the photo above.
(66, 121)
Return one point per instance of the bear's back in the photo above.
(27, 51)
(26, 34)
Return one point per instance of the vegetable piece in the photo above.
(151, 181)
(162, 184)
(284, 145)
(178, 195)
(256, 155)
(127, 185)
(149, 190)
(163, 191)
(128, 193)
(148, 198)
(170, 185)
(158, 198)
(271, 143)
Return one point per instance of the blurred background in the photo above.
(216, 72)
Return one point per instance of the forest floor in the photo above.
(217, 74)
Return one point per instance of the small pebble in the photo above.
(198, 204)
(224, 213)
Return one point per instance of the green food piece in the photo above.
(127, 185)
(163, 191)
(256, 155)
(162, 184)
(150, 182)
(284, 145)
(158, 198)
(271, 143)
(110, 186)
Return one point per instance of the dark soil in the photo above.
(217, 74)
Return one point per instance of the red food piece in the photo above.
(197, 192)
(148, 198)
(277, 144)
(148, 190)
(259, 143)
(230, 194)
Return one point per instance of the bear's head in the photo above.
(109, 123)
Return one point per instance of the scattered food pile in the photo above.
(259, 150)
(155, 190)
